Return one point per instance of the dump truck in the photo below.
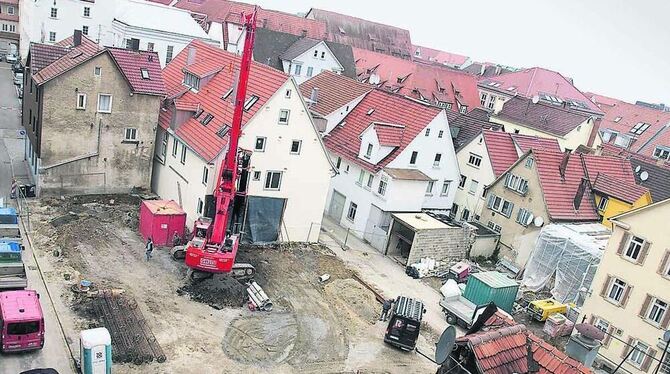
(12, 269)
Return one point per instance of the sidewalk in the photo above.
(382, 273)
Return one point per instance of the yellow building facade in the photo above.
(609, 206)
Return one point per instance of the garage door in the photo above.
(337, 206)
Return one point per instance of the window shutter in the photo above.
(648, 359)
(489, 203)
(608, 336)
(606, 285)
(643, 252)
(624, 241)
(645, 306)
(626, 295)
(627, 347)
(664, 262)
(666, 320)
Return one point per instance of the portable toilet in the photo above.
(95, 348)
(160, 220)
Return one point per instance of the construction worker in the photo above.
(150, 248)
(386, 307)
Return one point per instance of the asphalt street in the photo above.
(54, 354)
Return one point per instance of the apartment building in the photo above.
(9, 26)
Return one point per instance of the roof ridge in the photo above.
(488, 336)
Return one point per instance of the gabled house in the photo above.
(361, 33)
(302, 57)
(544, 187)
(546, 85)
(330, 97)
(430, 83)
(289, 169)
(393, 155)
(485, 158)
(629, 298)
(525, 116)
(90, 115)
(635, 128)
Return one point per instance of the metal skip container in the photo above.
(482, 288)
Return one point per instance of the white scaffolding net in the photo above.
(565, 260)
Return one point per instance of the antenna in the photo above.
(445, 345)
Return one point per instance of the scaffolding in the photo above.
(565, 260)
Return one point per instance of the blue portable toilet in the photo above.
(95, 348)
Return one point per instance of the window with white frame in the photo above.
(474, 160)
(639, 128)
(494, 226)
(130, 134)
(461, 183)
(169, 53)
(310, 71)
(81, 101)
(383, 182)
(445, 188)
(273, 180)
(440, 133)
(662, 153)
(361, 177)
(516, 183)
(602, 204)
(482, 99)
(54, 13)
(183, 154)
(438, 158)
(175, 147)
(529, 162)
(84, 30)
(622, 141)
(523, 217)
(427, 133)
(144, 72)
(104, 103)
(10, 10)
(602, 325)
(500, 205)
(287, 94)
(164, 144)
(191, 81)
(351, 213)
(463, 109)
(607, 135)
(371, 179)
(639, 353)
(657, 311)
(259, 146)
(52, 36)
(87, 11)
(492, 102)
(616, 291)
(429, 188)
(297, 69)
(634, 248)
(413, 157)
(97, 71)
(296, 145)
(465, 215)
(257, 175)
(368, 151)
(283, 116)
(205, 175)
(473, 186)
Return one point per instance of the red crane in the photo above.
(213, 249)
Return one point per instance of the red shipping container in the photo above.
(161, 219)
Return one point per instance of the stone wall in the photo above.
(445, 245)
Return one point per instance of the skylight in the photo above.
(511, 88)
(616, 120)
(639, 128)
(372, 110)
(198, 113)
(227, 94)
(250, 102)
(145, 73)
(223, 131)
(207, 119)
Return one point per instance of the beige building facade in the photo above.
(576, 137)
(630, 295)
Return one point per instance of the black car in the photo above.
(40, 371)
(405, 322)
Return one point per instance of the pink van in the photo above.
(21, 321)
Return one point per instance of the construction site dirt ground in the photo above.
(314, 327)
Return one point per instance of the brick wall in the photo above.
(445, 245)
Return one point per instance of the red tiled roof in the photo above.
(559, 192)
(41, 55)
(538, 81)
(264, 81)
(131, 63)
(442, 57)
(55, 63)
(362, 33)
(388, 108)
(627, 116)
(544, 117)
(457, 86)
(389, 135)
(502, 148)
(624, 191)
(230, 11)
(502, 347)
(334, 91)
(9, 17)
(203, 69)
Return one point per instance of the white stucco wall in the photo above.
(318, 64)
(338, 115)
(484, 175)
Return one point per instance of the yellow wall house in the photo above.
(630, 295)
(613, 197)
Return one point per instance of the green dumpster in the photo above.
(482, 288)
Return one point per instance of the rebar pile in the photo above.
(132, 339)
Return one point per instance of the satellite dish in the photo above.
(538, 221)
(666, 336)
(536, 99)
(637, 169)
(529, 219)
(445, 345)
(644, 176)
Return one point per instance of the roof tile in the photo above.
(548, 118)
(334, 91)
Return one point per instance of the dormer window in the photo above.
(368, 151)
(191, 81)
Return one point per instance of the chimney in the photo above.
(564, 163)
(498, 69)
(304, 33)
(76, 38)
(314, 96)
(482, 70)
(584, 345)
(190, 59)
